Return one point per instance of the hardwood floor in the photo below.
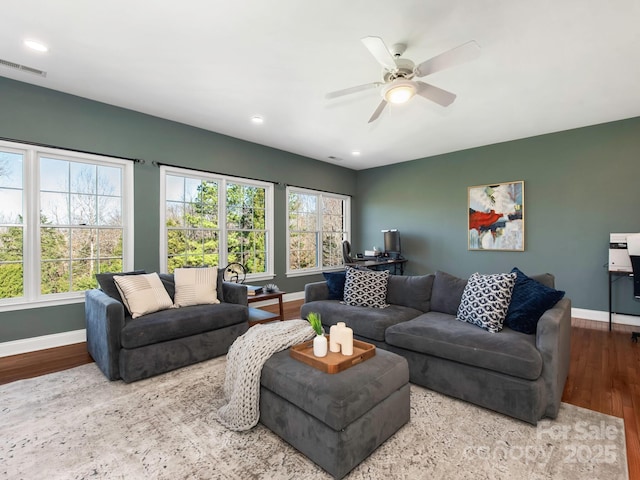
(603, 375)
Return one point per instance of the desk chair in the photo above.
(346, 252)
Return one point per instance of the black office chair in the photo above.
(346, 252)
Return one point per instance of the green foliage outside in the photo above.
(59, 273)
(304, 210)
(193, 228)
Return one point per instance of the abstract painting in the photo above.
(496, 217)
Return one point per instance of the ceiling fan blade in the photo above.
(463, 53)
(380, 52)
(435, 94)
(378, 111)
(350, 90)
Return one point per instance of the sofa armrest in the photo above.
(235, 293)
(104, 318)
(316, 291)
(553, 340)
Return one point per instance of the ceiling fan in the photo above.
(399, 73)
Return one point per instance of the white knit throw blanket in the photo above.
(245, 359)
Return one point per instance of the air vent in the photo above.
(23, 68)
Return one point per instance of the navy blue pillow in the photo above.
(529, 300)
(335, 282)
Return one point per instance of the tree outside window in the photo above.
(54, 239)
(195, 235)
(318, 223)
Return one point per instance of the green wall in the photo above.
(40, 115)
(580, 185)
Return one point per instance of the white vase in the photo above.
(320, 346)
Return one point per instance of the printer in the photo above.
(619, 260)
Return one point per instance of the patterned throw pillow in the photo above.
(195, 286)
(366, 288)
(143, 294)
(108, 284)
(485, 300)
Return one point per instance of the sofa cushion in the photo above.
(195, 286)
(441, 335)
(366, 288)
(547, 279)
(366, 322)
(108, 285)
(335, 284)
(530, 299)
(486, 299)
(179, 323)
(410, 291)
(143, 294)
(447, 293)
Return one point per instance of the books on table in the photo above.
(253, 290)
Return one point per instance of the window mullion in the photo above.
(319, 231)
(31, 254)
(222, 223)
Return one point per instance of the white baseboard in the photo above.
(600, 316)
(33, 344)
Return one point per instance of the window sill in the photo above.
(27, 305)
(306, 273)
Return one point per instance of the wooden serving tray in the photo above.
(333, 362)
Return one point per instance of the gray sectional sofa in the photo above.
(518, 374)
(135, 348)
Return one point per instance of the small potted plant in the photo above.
(320, 341)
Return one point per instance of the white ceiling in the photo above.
(545, 66)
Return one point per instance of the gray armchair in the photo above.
(137, 348)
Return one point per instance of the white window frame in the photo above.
(222, 181)
(32, 297)
(346, 220)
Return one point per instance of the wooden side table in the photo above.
(262, 316)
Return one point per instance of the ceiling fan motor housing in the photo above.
(404, 70)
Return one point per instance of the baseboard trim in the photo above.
(600, 316)
(26, 345)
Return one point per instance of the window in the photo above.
(211, 219)
(318, 223)
(63, 218)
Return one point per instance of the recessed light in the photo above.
(257, 119)
(37, 46)
(356, 153)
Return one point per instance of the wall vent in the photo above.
(23, 68)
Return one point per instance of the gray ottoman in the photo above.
(336, 420)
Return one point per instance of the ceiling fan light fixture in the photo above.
(37, 46)
(400, 91)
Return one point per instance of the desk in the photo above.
(262, 316)
(396, 263)
(614, 276)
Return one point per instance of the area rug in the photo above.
(76, 424)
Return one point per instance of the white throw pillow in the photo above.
(195, 286)
(366, 288)
(143, 294)
(485, 300)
